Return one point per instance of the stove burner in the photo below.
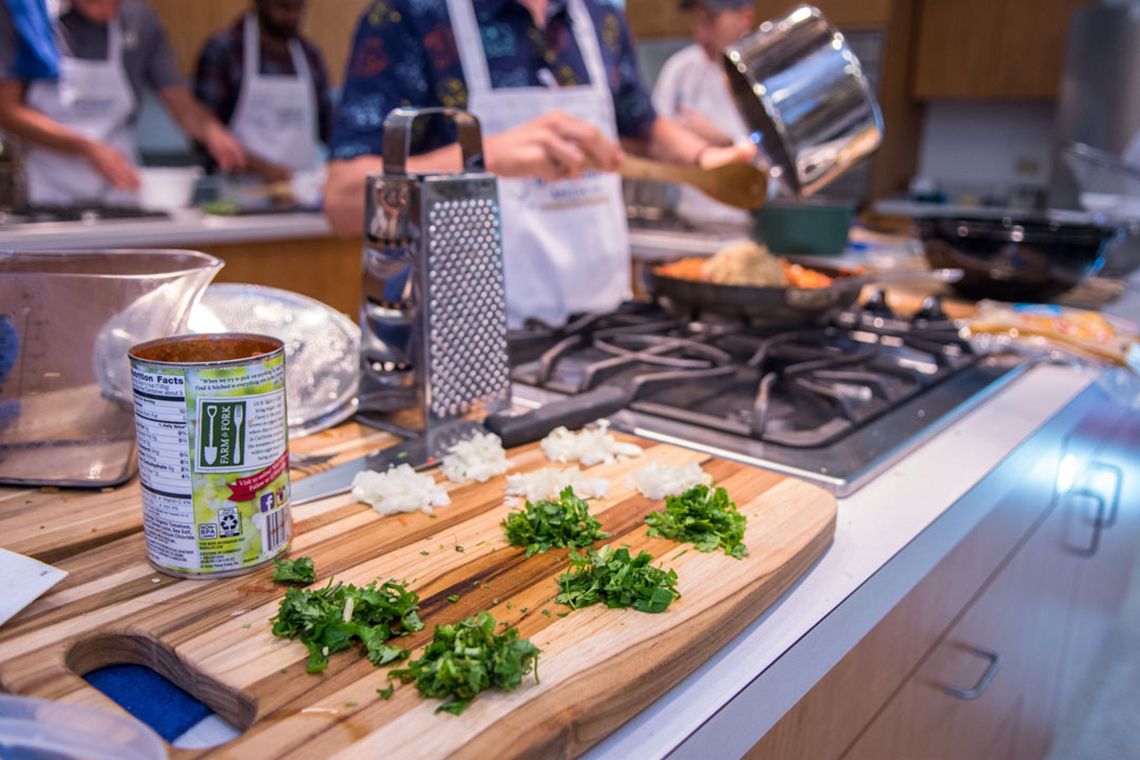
(802, 388)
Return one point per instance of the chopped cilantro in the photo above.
(424, 553)
(615, 579)
(387, 692)
(459, 549)
(329, 619)
(351, 703)
(549, 524)
(468, 657)
(300, 570)
(563, 614)
(453, 598)
(546, 612)
(704, 517)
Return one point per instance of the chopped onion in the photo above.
(548, 482)
(400, 489)
(479, 458)
(589, 446)
(657, 482)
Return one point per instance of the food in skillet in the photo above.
(745, 263)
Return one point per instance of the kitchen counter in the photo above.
(890, 534)
(185, 228)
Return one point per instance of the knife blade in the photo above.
(425, 451)
(338, 479)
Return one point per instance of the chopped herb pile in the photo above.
(468, 657)
(329, 619)
(704, 517)
(616, 579)
(298, 570)
(549, 524)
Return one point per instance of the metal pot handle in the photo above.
(398, 128)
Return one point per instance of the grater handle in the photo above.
(573, 412)
(398, 137)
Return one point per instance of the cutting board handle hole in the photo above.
(116, 664)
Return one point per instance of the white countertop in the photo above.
(890, 534)
(186, 228)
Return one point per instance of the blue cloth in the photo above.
(37, 56)
(404, 54)
(148, 696)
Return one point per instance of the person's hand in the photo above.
(713, 156)
(113, 165)
(553, 146)
(223, 147)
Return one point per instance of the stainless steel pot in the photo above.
(803, 93)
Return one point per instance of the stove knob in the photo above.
(876, 305)
(931, 310)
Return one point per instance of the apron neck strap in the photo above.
(470, 44)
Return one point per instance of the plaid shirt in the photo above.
(217, 81)
(405, 54)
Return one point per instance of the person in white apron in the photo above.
(565, 239)
(565, 244)
(692, 88)
(95, 100)
(276, 116)
(79, 130)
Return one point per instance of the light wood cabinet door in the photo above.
(991, 48)
(987, 689)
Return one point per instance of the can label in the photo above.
(213, 463)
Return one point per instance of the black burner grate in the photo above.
(802, 387)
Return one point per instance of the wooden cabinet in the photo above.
(985, 655)
(987, 688)
(990, 48)
(330, 24)
(653, 18)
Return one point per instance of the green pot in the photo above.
(808, 228)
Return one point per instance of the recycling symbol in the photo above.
(229, 523)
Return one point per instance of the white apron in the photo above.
(565, 243)
(276, 116)
(95, 99)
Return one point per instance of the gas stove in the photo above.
(835, 403)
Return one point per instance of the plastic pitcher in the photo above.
(67, 320)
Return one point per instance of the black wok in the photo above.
(774, 305)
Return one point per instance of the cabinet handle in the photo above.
(1098, 524)
(984, 682)
(1118, 484)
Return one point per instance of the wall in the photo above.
(982, 148)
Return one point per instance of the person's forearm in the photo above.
(187, 112)
(31, 125)
(671, 142)
(344, 188)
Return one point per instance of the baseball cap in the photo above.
(715, 5)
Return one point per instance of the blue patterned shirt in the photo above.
(404, 54)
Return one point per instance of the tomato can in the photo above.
(213, 452)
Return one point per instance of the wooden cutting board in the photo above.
(599, 667)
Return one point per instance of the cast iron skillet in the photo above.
(773, 305)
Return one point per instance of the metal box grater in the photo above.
(434, 315)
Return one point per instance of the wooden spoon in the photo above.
(737, 184)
